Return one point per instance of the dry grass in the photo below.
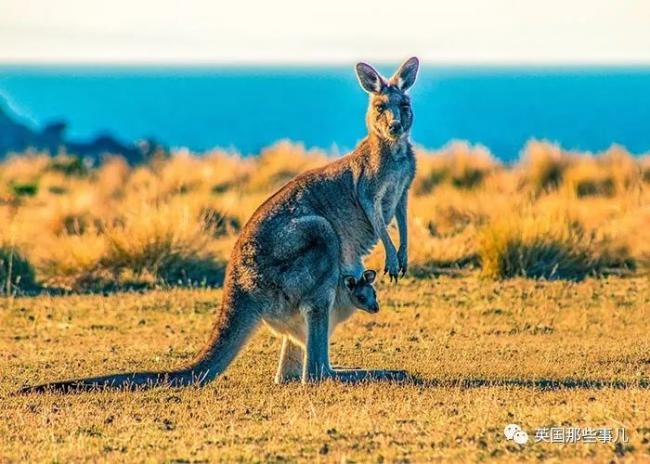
(485, 353)
(540, 354)
(15, 271)
(549, 247)
(175, 219)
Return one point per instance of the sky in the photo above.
(325, 31)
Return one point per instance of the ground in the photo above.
(484, 354)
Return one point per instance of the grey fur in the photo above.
(287, 264)
(361, 292)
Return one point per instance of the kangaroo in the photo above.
(361, 292)
(355, 294)
(287, 263)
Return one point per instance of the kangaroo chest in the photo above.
(392, 184)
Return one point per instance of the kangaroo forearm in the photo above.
(389, 247)
(377, 221)
(402, 222)
(403, 238)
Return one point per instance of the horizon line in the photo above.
(323, 63)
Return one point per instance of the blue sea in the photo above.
(247, 108)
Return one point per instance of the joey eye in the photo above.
(405, 105)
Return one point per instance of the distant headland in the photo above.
(16, 137)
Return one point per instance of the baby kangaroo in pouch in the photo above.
(297, 263)
(362, 294)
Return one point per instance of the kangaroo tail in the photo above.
(237, 321)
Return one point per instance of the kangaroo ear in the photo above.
(370, 80)
(369, 276)
(350, 282)
(405, 76)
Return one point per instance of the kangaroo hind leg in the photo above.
(291, 362)
(316, 311)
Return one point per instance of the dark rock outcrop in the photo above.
(16, 137)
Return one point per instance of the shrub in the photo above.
(163, 244)
(280, 163)
(644, 162)
(24, 189)
(16, 272)
(543, 165)
(71, 262)
(218, 224)
(625, 171)
(459, 164)
(545, 248)
(69, 165)
(613, 172)
(77, 224)
(587, 178)
(57, 190)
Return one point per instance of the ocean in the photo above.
(248, 108)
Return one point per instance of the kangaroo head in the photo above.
(362, 293)
(389, 113)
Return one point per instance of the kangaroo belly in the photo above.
(292, 324)
(340, 314)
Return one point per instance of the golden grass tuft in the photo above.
(543, 165)
(613, 172)
(16, 272)
(175, 219)
(459, 164)
(166, 243)
(546, 248)
(280, 163)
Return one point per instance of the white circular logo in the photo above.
(521, 437)
(510, 431)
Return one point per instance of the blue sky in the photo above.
(330, 31)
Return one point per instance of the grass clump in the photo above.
(16, 272)
(161, 245)
(546, 248)
(544, 165)
(611, 173)
(280, 163)
(24, 189)
(68, 165)
(174, 220)
(459, 164)
(217, 223)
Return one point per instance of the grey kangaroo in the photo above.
(362, 294)
(288, 262)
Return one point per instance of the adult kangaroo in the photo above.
(288, 263)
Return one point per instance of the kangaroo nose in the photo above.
(395, 127)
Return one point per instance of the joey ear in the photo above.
(369, 276)
(350, 282)
(370, 80)
(405, 76)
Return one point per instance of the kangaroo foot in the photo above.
(360, 375)
(364, 375)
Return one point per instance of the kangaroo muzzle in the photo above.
(395, 128)
(374, 309)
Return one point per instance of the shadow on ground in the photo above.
(541, 384)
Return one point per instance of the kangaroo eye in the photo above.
(380, 108)
(405, 106)
(361, 298)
